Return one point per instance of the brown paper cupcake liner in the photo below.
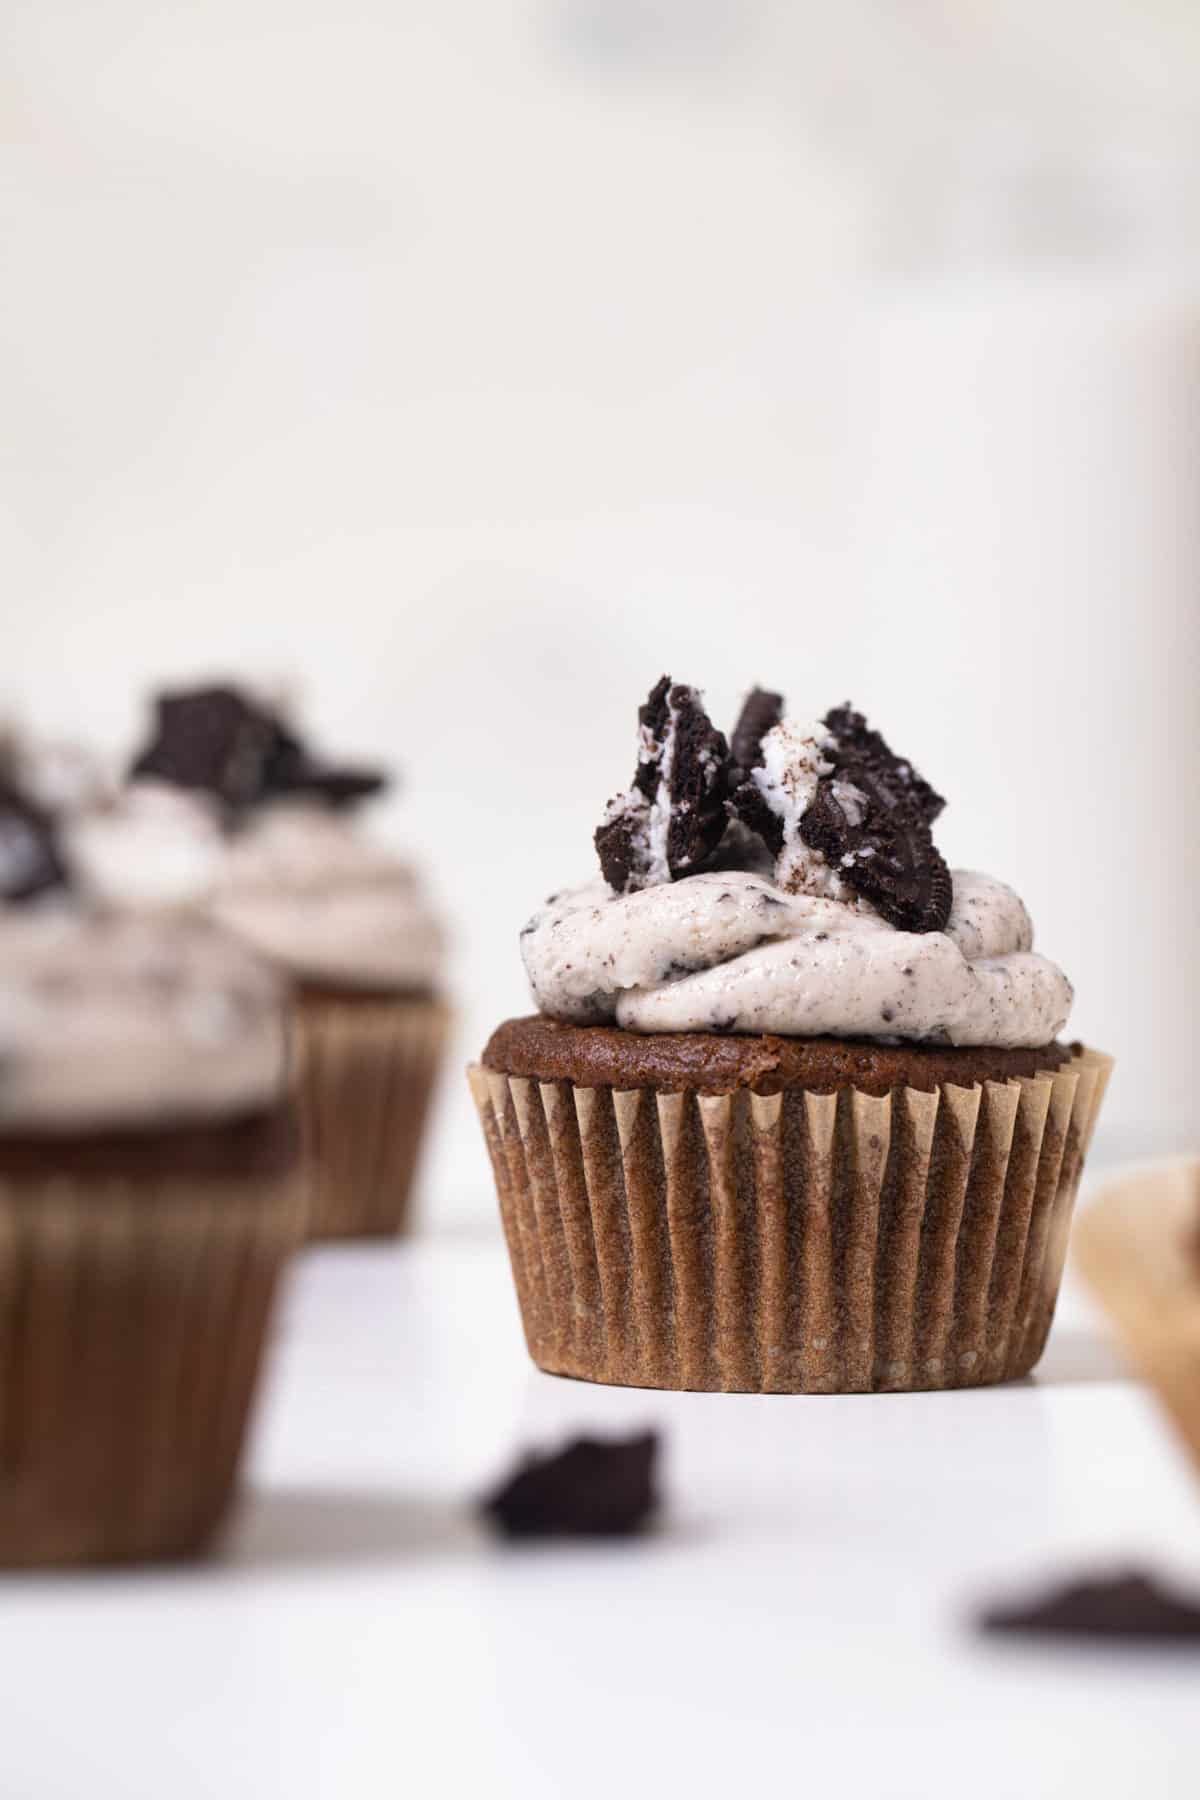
(794, 1242)
(132, 1320)
(368, 1066)
(1138, 1246)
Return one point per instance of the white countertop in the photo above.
(797, 1626)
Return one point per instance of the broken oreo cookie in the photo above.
(854, 744)
(30, 863)
(871, 822)
(673, 817)
(881, 848)
(1130, 1607)
(216, 740)
(761, 712)
(591, 1488)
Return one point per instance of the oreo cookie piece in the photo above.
(30, 863)
(218, 741)
(854, 743)
(292, 770)
(672, 818)
(761, 712)
(592, 1488)
(880, 845)
(1126, 1607)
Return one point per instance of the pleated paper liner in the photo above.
(1138, 1246)
(793, 1242)
(368, 1066)
(132, 1320)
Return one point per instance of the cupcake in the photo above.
(1139, 1250)
(149, 1194)
(228, 813)
(793, 1114)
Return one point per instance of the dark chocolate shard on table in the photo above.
(591, 1488)
(1131, 1607)
(219, 741)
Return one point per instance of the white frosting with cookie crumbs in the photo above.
(132, 1024)
(303, 885)
(735, 951)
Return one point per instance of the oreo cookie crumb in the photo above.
(1127, 1607)
(30, 861)
(761, 711)
(591, 1488)
(222, 743)
(670, 821)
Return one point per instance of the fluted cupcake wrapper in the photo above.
(132, 1320)
(367, 1068)
(1138, 1245)
(793, 1242)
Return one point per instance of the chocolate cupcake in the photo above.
(150, 1190)
(793, 1115)
(228, 812)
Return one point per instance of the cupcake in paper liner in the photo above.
(150, 1192)
(794, 1115)
(228, 813)
(1138, 1246)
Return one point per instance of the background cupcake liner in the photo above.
(367, 1069)
(789, 1243)
(1138, 1245)
(132, 1319)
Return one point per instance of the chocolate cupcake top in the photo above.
(229, 815)
(790, 884)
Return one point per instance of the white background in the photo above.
(464, 367)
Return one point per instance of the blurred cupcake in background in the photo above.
(150, 1190)
(227, 811)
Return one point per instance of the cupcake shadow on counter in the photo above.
(286, 1526)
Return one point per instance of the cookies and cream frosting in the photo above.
(305, 887)
(131, 1023)
(229, 814)
(822, 910)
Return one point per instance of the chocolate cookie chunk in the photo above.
(591, 1488)
(761, 711)
(854, 743)
(217, 740)
(1127, 1606)
(673, 817)
(30, 863)
(880, 845)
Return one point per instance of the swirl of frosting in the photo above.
(732, 951)
(132, 1023)
(301, 884)
(319, 898)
